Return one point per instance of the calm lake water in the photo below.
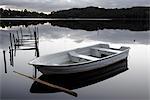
(131, 84)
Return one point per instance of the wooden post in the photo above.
(15, 49)
(35, 72)
(17, 38)
(36, 46)
(15, 42)
(11, 50)
(37, 31)
(35, 35)
(50, 85)
(14, 39)
(5, 61)
(21, 34)
(10, 39)
(10, 56)
(37, 51)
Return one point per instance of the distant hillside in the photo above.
(95, 12)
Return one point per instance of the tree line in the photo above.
(4, 13)
(88, 12)
(95, 12)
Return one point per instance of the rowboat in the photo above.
(80, 59)
(79, 80)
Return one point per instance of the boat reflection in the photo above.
(79, 80)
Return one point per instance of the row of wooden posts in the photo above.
(16, 42)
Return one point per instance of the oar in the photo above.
(50, 85)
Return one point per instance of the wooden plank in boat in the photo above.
(105, 49)
(74, 54)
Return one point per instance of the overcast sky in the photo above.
(54, 5)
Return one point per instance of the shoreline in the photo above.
(73, 19)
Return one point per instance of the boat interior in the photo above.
(91, 53)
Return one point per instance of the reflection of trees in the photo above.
(89, 25)
(10, 23)
(133, 25)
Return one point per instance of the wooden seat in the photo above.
(106, 50)
(75, 57)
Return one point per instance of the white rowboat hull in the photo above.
(48, 68)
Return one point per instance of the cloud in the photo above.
(53, 5)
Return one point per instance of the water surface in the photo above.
(132, 84)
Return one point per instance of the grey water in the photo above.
(132, 84)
